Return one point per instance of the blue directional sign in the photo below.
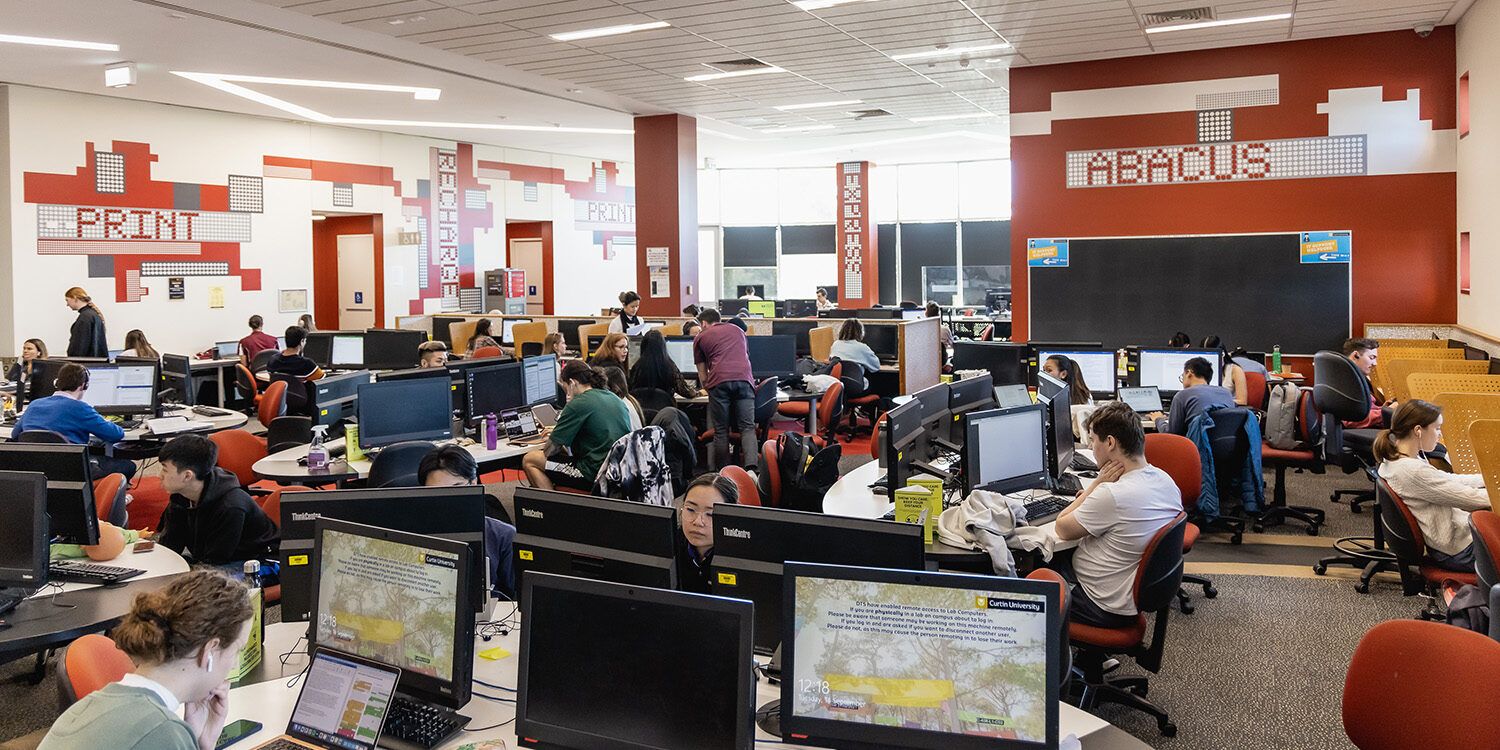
(1047, 253)
(1327, 247)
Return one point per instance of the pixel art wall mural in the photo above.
(601, 204)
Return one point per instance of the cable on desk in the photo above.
(297, 677)
(492, 726)
(478, 681)
(494, 698)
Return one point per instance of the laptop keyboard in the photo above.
(281, 744)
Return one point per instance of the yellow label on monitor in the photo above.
(297, 560)
(525, 554)
(727, 579)
(322, 412)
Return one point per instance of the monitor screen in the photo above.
(23, 536)
(391, 348)
(347, 351)
(882, 340)
(680, 351)
(913, 314)
(227, 349)
(645, 688)
(764, 308)
(71, 515)
(1163, 367)
(539, 377)
(881, 658)
(318, 347)
(1098, 366)
(1059, 432)
(1007, 396)
(1007, 362)
(799, 329)
(122, 389)
(495, 389)
(771, 356)
(343, 702)
(334, 396)
(903, 426)
(934, 401)
(403, 410)
(728, 307)
(280, 343)
(1144, 400)
(507, 329)
(1004, 449)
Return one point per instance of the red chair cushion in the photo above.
(147, 502)
(1109, 639)
(794, 408)
(862, 400)
(1267, 453)
(1190, 535)
(1435, 575)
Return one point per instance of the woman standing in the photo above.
(630, 304)
(86, 339)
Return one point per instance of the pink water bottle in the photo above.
(491, 432)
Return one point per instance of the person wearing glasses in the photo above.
(695, 516)
(1198, 395)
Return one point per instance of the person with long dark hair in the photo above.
(1232, 376)
(614, 380)
(1066, 369)
(86, 338)
(483, 337)
(630, 305)
(1441, 502)
(31, 350)
(136, 345)
(589, 424)
(654, 369)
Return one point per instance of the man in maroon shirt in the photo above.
(724, 371)
(256, 342)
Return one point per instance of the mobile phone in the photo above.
(235, 731)
(144, 545)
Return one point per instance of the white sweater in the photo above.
(1440, 501)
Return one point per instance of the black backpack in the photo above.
(807, 471)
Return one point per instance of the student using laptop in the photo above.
(183, 639)
(1198, 395)
(432, 354)
(695, 517)
(1114, 519)
(452, 466)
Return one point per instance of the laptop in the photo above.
(519, 424)
(545, 415)
(1143, 400)
(228, 349)
(1008, 396)
(342, 706)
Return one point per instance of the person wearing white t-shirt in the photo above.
(1114, 519)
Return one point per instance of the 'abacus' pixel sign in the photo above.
(1288, 159)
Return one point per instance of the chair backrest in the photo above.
(528, 333)
(39, 436)
(90, 663)
(875, 440)
(1229, 444)
(749, 492)
(1459, 411)
(106, 492)
(272, 402)
(245, 379)
(584, 332)
(653, 400)
(531, 349)
(1255, 390)
(1065, 668)
(262, 359)
(831, 405)
(765, 402)
(1423, 343)
(770, 472)
(396, 465)
(459, 332)
(238, 452)
(1403, 535)
(1485, 526)
(487, 352)
(820, 342)
(288, 432)
(1160, 572)
(852, 375)
(1484, 435)
(271, 505)
(1178, 457)
(1422, 684)
(1428, 385)
(1421, 352)
(1400, 371)
(1339, 389)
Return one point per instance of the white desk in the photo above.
(159, 562)
(283, 466)
(230, 421)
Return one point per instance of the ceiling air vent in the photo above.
(1172, 17)
(730, 66)
(865, 114)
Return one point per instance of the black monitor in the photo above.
(177, 375)
(403, 410)
(440, 330)
(798, 329)
(878, 313)
(71, 515)
(1008, 362)
(800, 308)
(539, 379)
(933, 405)
(494, 389)
(397, 598)
(347, 350)
(334, 396)
(318, 347)
(1004, 449)
(391, 348)
(595, 341)
(835, 313)
(124, 389)
(1163, 367)
(896, 658)
(458, 378)
(411, 373)
(450, 512)
(903, 433)
(41, 383)
(997, 300)
(508, 327)
(771, 356)
(569, 329)
(969, 394)
(882, 339)
(23, 535)
(1054, 394)
(594, 537)
(731, 307)
(1099, 367)
(664, 669)
(680, 351)
(751, 543)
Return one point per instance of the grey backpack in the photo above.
(1280, 428)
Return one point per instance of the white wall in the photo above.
(1479, 164)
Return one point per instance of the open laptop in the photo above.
(545, 415)
(1012, 395)
(342, 706)
(1143, 400)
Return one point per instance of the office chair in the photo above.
(1485, 526)
(1301, 457)
(749, 492)
(288, 432)
(653, 400)
(1065, 666)
(109, 491)
(238, 452)
(1178, 457)
(396, 465)
(272, 402)
(830, 406)
(487, 352)
(1255, 390)
(1404, 536)
(262, 360)
(89, 663)
(1340, 394)
(770, 474)
(856, 394)
(1231, 448)
(248, 384)
(1422, 684)
(39, 436)
(1157, 579)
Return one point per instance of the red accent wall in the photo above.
(1404, 241)
(666, 212)
(540, 230)
(326, 265)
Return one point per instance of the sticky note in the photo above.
(297, 560)
(494, 654)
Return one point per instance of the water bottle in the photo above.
(317, 454)
(491, 432)
(1276, 359)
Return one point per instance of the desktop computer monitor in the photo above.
(882, 339)
(494, 389)
(997, 300)
(1163, 367)
(177, 375)
(835, 313)
(594, 341)
(71, 515)
(334, 396)
(455, 513)
(227, 349)
(399, 599)
(569, 330)
(348, 350)
(752, 543)
(41, 383)
(878, 313)
(913, 314)
(1055, 395)
(867, 661)
(763, 308)
(933, 401)
(391, 348)
(771, 356)
(605, 665)
(539, 377)
(594, 537)
(730, 307)
(632, 349)
(441, 331)
(903, 431)
(680, 351)
(318, 347)
(1007, 362)
(403, 410)
(1004, 449)
(23, 536)
(411, 373)
(507, 329)
(969, 394)
(1099, 367)
(797, 329)
(800, 308)
(124, 389)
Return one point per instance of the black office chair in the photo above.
(765, 406)
(1485, 528)
(288, 432)
(39, 436)
(531, 349)
(396, 465)
(1231, 448)
(262, 360)
(652, 400)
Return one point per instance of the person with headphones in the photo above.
(67, 414)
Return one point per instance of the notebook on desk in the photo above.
(342, 706)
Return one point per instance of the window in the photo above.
(1463, 105)
(1463, 263)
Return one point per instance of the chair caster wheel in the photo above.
(1237, 538)
(1312, 530)
(1356, 508)
(1187, 609)
(1259, 528)
(1319, 569)
(1363, 588)
(1168, 729)
(1209, 592)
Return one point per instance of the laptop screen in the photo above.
(1147, 399)
(343, 701)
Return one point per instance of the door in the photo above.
(356, 281)
(526, 254)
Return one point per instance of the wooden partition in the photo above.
(460, 333)
(820, 340)
(528, 333)
(1400, 371)
(1459, 411)
(1428, 385)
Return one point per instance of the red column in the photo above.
(858, 260)
(666, 212)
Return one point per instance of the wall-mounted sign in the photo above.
(1047, 253)
(292, 301)
(1327, 247)
(658, 267)
(175, 288)
(1291, 158)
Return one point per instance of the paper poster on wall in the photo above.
(1327, 247)
(658, 256)
(1047, 253)
(658, 263)
(292, 301)
(176, 288)
(216, 297)
(661, 283)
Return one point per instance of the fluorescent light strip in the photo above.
(573, 36)
(800, 129)
(418, 92)
(950, 51)
(816, 105)
(42, 41)
(733, 74)
(942, 118)
(821, 4)
(209, 79)
(1220, 22)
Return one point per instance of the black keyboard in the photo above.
(1082, 463)
(208, 411)
(413, 725)
(9, 598)
(67, 571)
(1045, 506)
(129, 424)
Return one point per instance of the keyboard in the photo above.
(281, 744)
(208, 411)
(130, 424)
(68, 571)
(1082, 463)
(9, 598)
(413, 725)
(1044, 507)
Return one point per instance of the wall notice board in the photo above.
(1252, 291)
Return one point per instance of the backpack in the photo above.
(1281, 416)
(807, 472)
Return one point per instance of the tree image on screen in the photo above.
(390, 602)
(921, 657)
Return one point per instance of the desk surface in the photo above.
(283, 467)
(230, 421)
(271, 702)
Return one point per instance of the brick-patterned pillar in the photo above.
(666, 210)
(859, 276)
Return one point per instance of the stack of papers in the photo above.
(174, 425)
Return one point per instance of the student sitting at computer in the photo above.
(210, 517)
(591, 421)
(1179, 340)
(1065, 369)
(136, 345)
(183, 639)
(695, 516)
(851, 347)
(614, 380)
(66, 413)
(1114, 518)
(452, 466)
(432, 354)
(1233, 374)
(723, 360)
(555, 344)
(630, 304)
(482, 337)
(291, 361)
(823, 302)
(31, 349)
(1440, 501)
(747, 292)
(256, 342)
(654, 369)
(1365, 353)
(305, 322)
(1197, 396)
(614, 351)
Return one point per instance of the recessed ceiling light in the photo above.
(41, 41)
(950, 51)
(573, 36)
(1220, 22)
(734, 74)
(817, 105)
(942, 118)
(821, 4)
(575, 91)
(799, 129)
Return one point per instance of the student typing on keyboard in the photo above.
(210, 519)
(1113, 519)
(67, 414)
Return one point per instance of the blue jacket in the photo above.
(69, 417)
(1251, 483)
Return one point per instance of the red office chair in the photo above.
(875, 437)
(853, 403)
(749, 493)
(1157, 579)
(248, 383)
(770, 474)
(830, 405)
(1301, 457)
(1403, 537)
(1404, 668)
(272, 402)
(108, 491)
(1485, 525)
(1255, 390)
(89, 663)
(1066, 668)
(1178, 457)
(487, 352)
(238, 452)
